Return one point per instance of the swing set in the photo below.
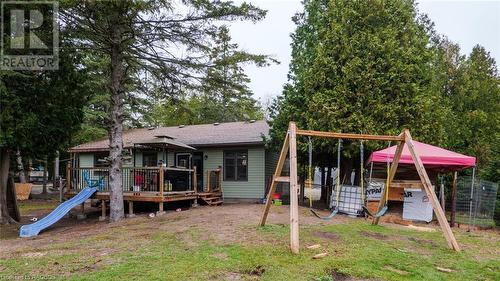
(290, 148)
(338, 185)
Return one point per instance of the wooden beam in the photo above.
(282, 179)
(294, 189)
(274, 183)
(445, 227)
(349, 136)
(392, 174)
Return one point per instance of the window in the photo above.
(149, 159)
(183, 160)
(236, 165)
(101, 159)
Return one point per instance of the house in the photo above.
(184, 162)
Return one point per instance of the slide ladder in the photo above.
(33, 229)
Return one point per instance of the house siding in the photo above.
(254, 187)
(86, 160)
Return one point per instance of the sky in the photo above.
(464, 22)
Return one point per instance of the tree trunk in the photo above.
(12, 200)
(116, 128)
(28, 171)
(4, 176)
(20, 167)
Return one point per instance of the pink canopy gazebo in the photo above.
(432, 157)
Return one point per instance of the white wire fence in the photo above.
(475, 204)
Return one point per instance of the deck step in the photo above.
(215, 203)
(210, 198)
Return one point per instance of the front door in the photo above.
(198, 162)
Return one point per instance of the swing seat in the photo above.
(381, 212)
(329, 217)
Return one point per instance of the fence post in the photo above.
(453, 199)
(471, 196)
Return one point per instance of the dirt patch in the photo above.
(222, 256)
(326, 235)
(33, 255)
(423, 241)
(378, 236)
(257, 271)
(339, 276)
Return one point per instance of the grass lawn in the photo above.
(29, 206)
(223, 243)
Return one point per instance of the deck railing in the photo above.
(135, 179)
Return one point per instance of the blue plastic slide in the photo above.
(59, 212)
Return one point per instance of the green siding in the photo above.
(86, 160)
(251, 189)
(170, 157)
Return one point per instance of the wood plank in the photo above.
(282, 179)
(392, 173)
(277, 173)
(443, 222)
(349, 136)
(294, 189)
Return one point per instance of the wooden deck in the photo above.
(148, 185)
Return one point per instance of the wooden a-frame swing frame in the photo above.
(290, 147)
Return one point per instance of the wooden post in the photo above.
(218, 179)
(68, 176)
(208, 181)
(162, 181)
(131, 209)
(294, 189)
(453, 199)
(445, 227)
(195, 180)
(160, 208)
(392, 174)
(103, 210)
(274, 183)
(195, 187)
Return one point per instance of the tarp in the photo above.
(432, 156)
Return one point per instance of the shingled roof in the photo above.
(206, 135)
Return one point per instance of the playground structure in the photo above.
(290, 148)
(58, 213)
